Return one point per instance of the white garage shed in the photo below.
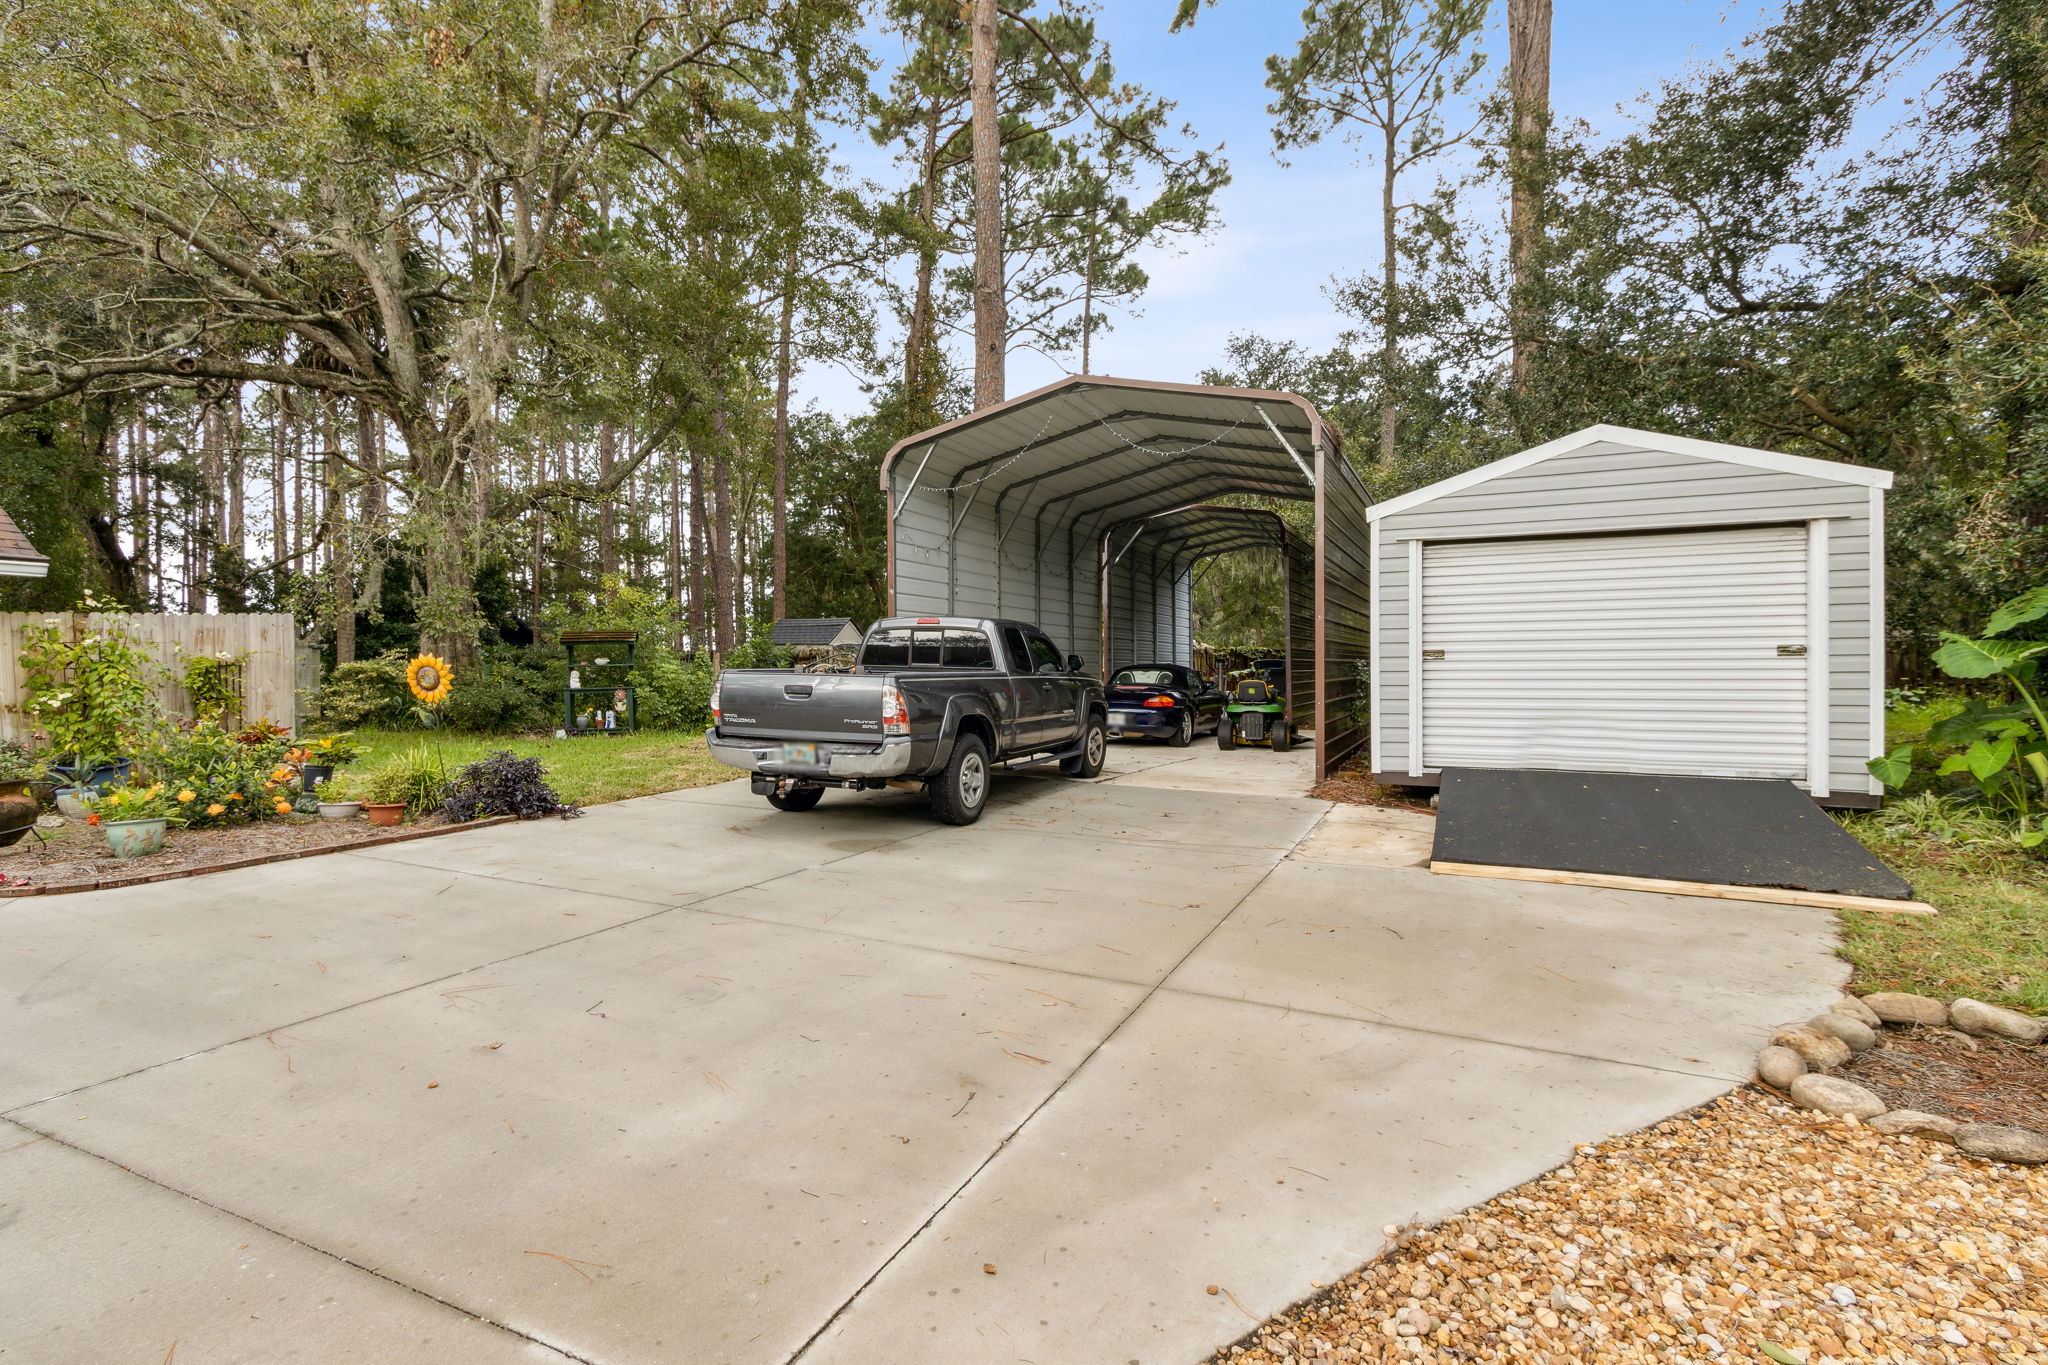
(1626, 601)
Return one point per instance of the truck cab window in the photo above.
(968, 649)
(1014, 646)
(886, 649)
(924, 649)
(1043, 652)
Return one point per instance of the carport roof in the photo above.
(1119, 448)
(1187, 534)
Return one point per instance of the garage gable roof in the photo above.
(1834, 471)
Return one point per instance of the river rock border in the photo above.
(1799, 1056)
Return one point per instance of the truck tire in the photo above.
(1184, 733)
(797, 798)
(959, 791)
(1226, 732)
(1094, 748)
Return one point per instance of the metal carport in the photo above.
(1032, 507)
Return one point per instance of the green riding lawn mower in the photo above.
(1255, 710)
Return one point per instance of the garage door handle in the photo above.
(1432, 654)
(1791, 651)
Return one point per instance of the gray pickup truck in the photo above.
(938, 702)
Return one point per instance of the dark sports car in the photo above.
(1162, 701)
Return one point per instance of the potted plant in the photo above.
(318, 758)
(18, 804)
(134, 819)
(338, 799)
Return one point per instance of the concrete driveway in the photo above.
(690, 1080)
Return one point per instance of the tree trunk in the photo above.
(699, 617)
(340, 571)
(675, 545)
(991, 321)
(920, 383)
(1390, 297)
(779, 510)
(608, 507)
(369, 542)
(1088, 299)
(203, 527)
(1529, 95)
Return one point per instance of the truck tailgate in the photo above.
(778, 704)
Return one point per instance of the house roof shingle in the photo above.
(809, 630)
(14, 545)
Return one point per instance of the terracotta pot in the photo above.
(17, 811)
(384, 813)
(133, 838)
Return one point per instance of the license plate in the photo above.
(800, 753)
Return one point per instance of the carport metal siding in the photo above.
(1001, 513)
(1615, 486)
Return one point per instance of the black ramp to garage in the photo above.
(1716, 830)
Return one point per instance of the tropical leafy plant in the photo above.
(502, 783)
(2006, 751)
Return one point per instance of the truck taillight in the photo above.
(714, 700)
(895, 716)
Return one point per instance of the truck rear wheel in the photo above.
(958, 793)
(797, 798)
(1094, 748)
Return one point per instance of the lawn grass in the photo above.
(1990, 941)
(587, 770)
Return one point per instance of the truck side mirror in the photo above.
(1073, 663)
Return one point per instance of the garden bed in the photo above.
(76, 858)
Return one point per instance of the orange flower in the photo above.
(187, 796)
(93, 819)
(216, 809)
(284, 808)
(234, 796)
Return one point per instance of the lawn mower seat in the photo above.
(1253, 692)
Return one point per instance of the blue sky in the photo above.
(1286, 230)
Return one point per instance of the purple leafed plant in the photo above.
(502, 783)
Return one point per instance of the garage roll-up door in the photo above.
(1669, 653)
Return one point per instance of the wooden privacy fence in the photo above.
(267, 675)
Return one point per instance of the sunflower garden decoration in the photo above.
(429, 678)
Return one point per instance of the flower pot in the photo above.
(341, 810)
(18, 809)
(133, 838)
(312, 775)
(75, 802)
(384, 812)
(99, 777)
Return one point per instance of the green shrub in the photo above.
(417, 778)
(518, 691)
(366, 693)
(215, 777)
(671, 693)
(90, 696)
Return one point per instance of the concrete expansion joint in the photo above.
(314, 1247)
